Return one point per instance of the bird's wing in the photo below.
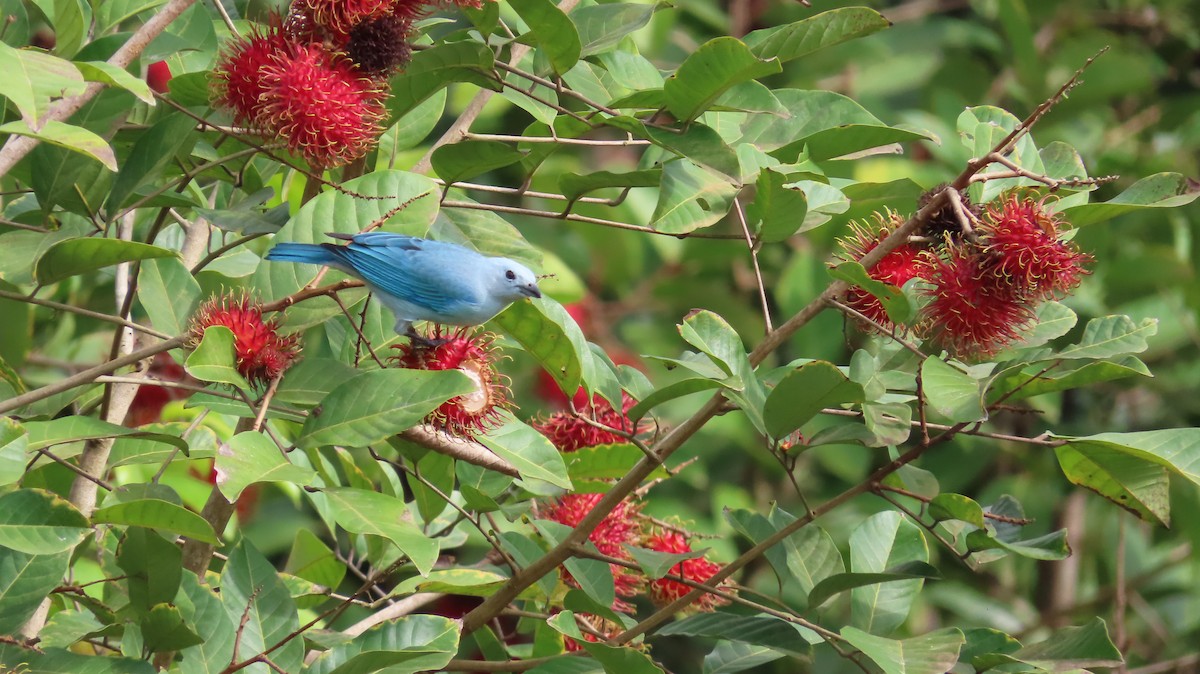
(435, 278)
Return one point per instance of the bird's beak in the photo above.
(531, 290)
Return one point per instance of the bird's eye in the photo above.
(510, 274)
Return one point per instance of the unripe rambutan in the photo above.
(339, 17)
(321, 105)
(664, 590)
(261, 353)
(569, 432)
(620, 527)
(237, 78)
(896, 268)
(1021, 245)
(475, 356)
(946, 221)
(970, 311)
(381, 45)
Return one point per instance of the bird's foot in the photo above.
(421, 342)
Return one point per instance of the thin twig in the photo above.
(552, 215)
(752, 245)
(83, 312)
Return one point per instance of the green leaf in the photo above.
(1141, 487)
(534, 457)
(157, 514)
(1034, 380)
(1161, 190)
(14, 442)
(621, 660)
(899, 307)
(691, 197)
(258, 602)
(793, 40)
(549, 334)
(26, 580)
(1051, 546)
(203, 610)
(168, 293)
(32, 78)
(432, 69)
(1177, 449)
(808, 555)
(951, 392)
(215, 358)
(313, 561)
(485, 232)
(414, 643)
(1053, 321)
(593, 577)
(552, 31)
(1073, 647)
(163, 629)
(759, 630)
(190, 89)
(708, 72)
(657, 564)
(884, 541)
(151, 154)
(956, 507)
(252, 457)
(606, 462)
(153, 568)
(465, 581)
(835, 584)
(803, 393)
(670, 392)
(378, 404)
(733, 656)
(602, 27)
(713, 336)
(932, 653)
(367, 512)
(74, 138)
(779, 210)
(107, 73)
(58, 660)
(574, 185)
(77, 256)
(38, 522)
(697, 142)
(455, 162)
(1110, 336)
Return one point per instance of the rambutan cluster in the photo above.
(473, 354)
(261, 353)
(317, 79)
(983, 286)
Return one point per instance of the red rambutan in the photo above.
(474, 356)
(261, 353)
(970, 311)
(237, 78)
(570, 432)
(321, 105)
(664, 590)
(896, 268)
(1021, 245)
(620, 527)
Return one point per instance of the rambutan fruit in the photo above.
(571, 432)
(1021, 245)
(237, 78)
(379, 46)
(475, 356)
(261, 353)
(620, 527)
(970, 310)
(665, 590)
(898, 267)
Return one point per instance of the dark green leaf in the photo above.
(151, 154)
(163, 629)
(574, 185)
(1161, 190)
(841, 582)
(553, 32)
(26, 580)
(455, 162)
(548, 333)
(780, 210)
(671, 392)
(38, 522)
(367, 512)
(168, 293)
(432, 69)
(415, 643)
(153, 566)
(157, 514)
(602, 27)
(1073, 647)
(76, 256)
(826, 29)
(760, 630)
(708, 72)
(107, 73)
(1138, 485)
(932, 653)
(956, 507)
(58, 661)
(803, 393)
(884, 541)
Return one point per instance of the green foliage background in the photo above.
(1136, 114)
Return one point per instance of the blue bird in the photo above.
(421, 279)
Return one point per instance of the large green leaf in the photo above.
(455, 162)
(951, 392)
(803, 393)
(252, 457)
(1138, 485)
(153, 568)
(378, 404)
(115, 76)
(415, 643)
(780, 210)
(157, 514)
(60, 660)
(1110, 336)
(884, 541)
(708, 72)
(168, 293)
(691, 197)
(14, 442)
(215, 358)
(77, 256)
(808, 556)
(1073, 647)
(759, 630)
(38, 522)
(44, 434)
(932, 653)
(793, 40)
(32, 78)
(601, 27)
(575, 185)
(1002, 537)
(25, 580)
(534, 457)
(202, 608)
(432, 69)
(841, 582)
(549, 334)
(1177, 449)
(1020, 383)
(367, 512)
(69, 136)
(899, 307)
(258, 602)
(699, 143)
(1161, 190)
(163, 629)
(552, 31)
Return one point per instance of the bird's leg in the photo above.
(423, 342)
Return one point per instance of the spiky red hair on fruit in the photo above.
(261, 353)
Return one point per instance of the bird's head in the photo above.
(513, 280)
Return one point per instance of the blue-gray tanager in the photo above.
(421, 279)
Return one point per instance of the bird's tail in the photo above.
(308, 253)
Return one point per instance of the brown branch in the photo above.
(554, 215)
(83, 312)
